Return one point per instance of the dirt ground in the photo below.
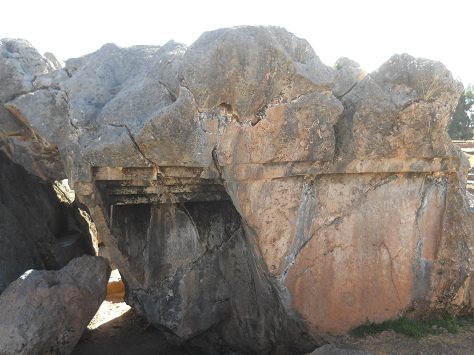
(130, 334)
(391, 343)
(116, 329)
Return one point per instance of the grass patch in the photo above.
(415, 328)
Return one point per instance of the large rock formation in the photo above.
(37, 230)
(23, 70)
(46, 312)
(254, 198)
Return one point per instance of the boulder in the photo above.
(47, 311)
(256, 199)
(400, 110)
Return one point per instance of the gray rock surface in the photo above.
(405, 99)
(254, 198)
(36, 228)
(203, 247)
(21, 67)
(46, 312)
(349, 74)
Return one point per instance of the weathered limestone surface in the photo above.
(254, 198)
(46, 312)
(23, 71)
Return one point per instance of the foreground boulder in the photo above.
(46, 312)
(256, 199)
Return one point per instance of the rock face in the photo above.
(37, 230)
(254, 198)
(23, 71)
(45, 312)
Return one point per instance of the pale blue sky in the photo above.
(367, 31)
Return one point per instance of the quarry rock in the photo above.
(253, 198)
(45, 312)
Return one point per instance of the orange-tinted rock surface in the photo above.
(256, 199)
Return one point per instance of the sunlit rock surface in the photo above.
(46, 312)
(254, 198)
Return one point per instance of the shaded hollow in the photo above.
(197, 279)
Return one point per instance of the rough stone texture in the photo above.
(330, 349)
(21, 71)
(37, 230)
(45, 312)
(256, 199)
(349, 74)
(203, 261)
(400, 111)
(21, 64)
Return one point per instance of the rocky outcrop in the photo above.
(37, 230)
(23, 71)
(46, 312)
(254, 198)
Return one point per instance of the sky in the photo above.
(367, 31)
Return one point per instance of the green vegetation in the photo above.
(462, 121)
(415, 328)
